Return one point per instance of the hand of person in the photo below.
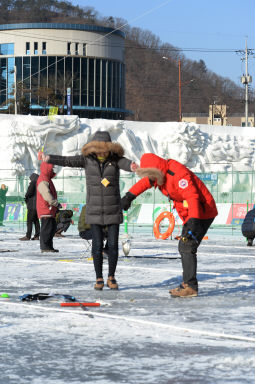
(41, 156)
(134, 166)
(59, 206)
(127, 200)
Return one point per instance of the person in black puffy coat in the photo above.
(248, 227)
(32, 218)
(102, 160)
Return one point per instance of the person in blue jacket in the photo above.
(248, 227)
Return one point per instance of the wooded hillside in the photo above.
(152, 82)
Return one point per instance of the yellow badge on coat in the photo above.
(105, 182)
(185, 204)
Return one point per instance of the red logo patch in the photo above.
(183, 183)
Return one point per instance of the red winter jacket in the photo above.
(190, 195)
(44, 208)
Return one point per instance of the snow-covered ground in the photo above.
(138, 334)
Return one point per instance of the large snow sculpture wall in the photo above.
(201, 148)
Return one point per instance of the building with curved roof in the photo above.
(78, 67)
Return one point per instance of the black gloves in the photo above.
(127, 200)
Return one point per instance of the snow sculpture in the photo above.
(202, 148)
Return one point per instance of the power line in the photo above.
(128, 46)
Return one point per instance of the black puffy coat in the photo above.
(30, 196)
(103, 202)
(248, 226)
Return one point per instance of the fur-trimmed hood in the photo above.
(153, 167)
(96, 147)
(153, 174)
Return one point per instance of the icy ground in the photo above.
(138, 334)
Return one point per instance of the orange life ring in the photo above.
(169, 231)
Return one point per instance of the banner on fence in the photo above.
(228, 214)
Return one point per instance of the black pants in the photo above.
(32, 218)
(188, 251)
(98, 235)
(48, 229)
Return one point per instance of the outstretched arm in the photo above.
(64, 161)
(127, 165)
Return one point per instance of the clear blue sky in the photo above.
(216, 24)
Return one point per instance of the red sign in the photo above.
(238, 212)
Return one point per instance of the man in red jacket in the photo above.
(46, 206)
(193, 202)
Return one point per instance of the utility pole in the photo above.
(180, 91)
(246, 79)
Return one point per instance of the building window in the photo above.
(69, 48)
(35, 48)
(27, 48)
(4, 81)
(7, 49)
(77, 48)
(84, 49)
(44, 47)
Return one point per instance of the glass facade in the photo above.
(7, 49)
(97, 84)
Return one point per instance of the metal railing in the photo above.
(226, 187)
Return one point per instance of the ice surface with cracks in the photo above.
(139, 334)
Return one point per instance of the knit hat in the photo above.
(100, 136)
(101, 142)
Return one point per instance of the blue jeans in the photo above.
(97, 248)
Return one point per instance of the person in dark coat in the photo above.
(3, 191)
(193, 202)
(32, 217)
(248, 227)
(102, 160)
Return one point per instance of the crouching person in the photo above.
(47, 206)
(64, 220)
(248, 227)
